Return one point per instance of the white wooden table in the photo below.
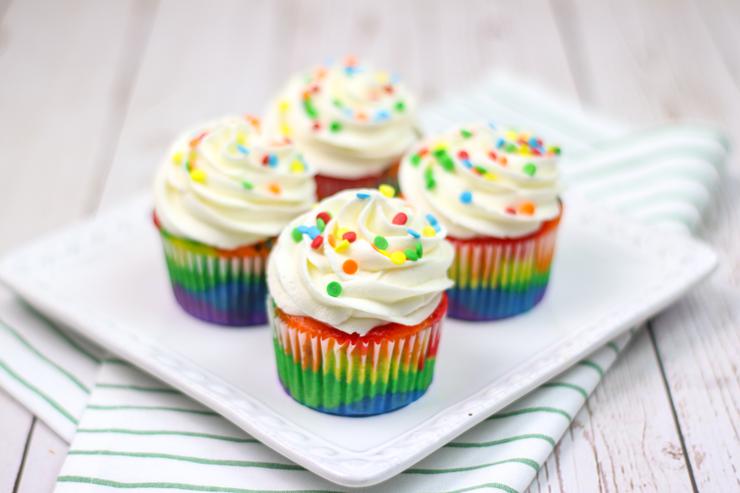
(92, 91)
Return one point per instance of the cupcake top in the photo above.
(228, 185)
(361, 259)
(348, 120)
(482, 181)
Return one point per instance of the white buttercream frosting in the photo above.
(226, 184)
(481, 181)
(349, 120)
(377, 261)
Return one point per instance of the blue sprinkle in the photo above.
(466, 197)
(500, 142)
(350, 70)
(313, 232)
(382, 115)
(272, 160)
(242, 149)
(363, 196)
(413, 233)
(533, 141)
(467, 163)
(437, 228)
(432, 220)
(491, 124)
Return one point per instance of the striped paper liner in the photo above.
(498, 278)
(351, 375)
(224, 287)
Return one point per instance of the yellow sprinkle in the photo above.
(198, 175)
(511, 135)
(241, 138)
(283, 106)
(296, 166)
(490, 176)
(387, 191)
(382, 77)
(339, 232)
(341, 246)
(285, 130)
(398, 257)
(428, 231)
(441, 145)
(524, 151)
(177, 158)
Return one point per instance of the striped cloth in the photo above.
(129, 431)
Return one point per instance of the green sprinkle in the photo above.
(380, 242)
(334, 289)
(310, 109)
(419, 250)
(556, 150)
(335, 126)
(481, 170)
(510, 147)
(411, 254)
(439, 153)
(247, 185)
(431, 183)
(400, 106)
(320, 224)
(447, 163)
(296, 235)
(336, 103)
(416, 160)
(466, 133)
(530, 169)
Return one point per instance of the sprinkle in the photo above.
(177, 158)
(316, 126)
(320, 224)
(381, 115)
(380, 242)
(492, 124)
(400, 106)
(317, 242)
(400, 219)
(428, 231)
(527, 208)
(500, 143)
(194, 142)
(466, 197)
(463, 154)
(480, 170)
(493, 155)
(283, 106)
(350, 236)
(266, 159)
(511, 134)
(431, 219)
(272, 160)
(341, 246)
(198, 175)
(419, 249)
(445, 160)
(324, 216)
(468, 164)
(241, 138)
(416, 159)
(530, 169)
(334, 289)
(398, 257)
(247, 185)
(297, 166)
(310, 108)
(361, 116)
(466, 133)
(510, 210)
(413, 233)
(312, 231)
(349, 266)
(387, 191)
(490, 176)
(296, 235)
(332, 241)
(363, 196)
(335, 126)
(411, 254)
(429, 179)
(274, 188)
(503, 160)
(242, 149)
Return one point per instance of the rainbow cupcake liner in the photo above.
(348, 375)
(499, 278)
(224, 287)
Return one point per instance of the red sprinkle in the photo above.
(463, 154)
(492, 155)
(316, 243)
(265, 159)
(510, 210)
(316, 126)
(350, 236)
(400, 219)
(324, 216)
(422, 151)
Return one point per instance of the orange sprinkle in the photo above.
(527, 208)
(274, 188)
(332, 240)
(349, 266)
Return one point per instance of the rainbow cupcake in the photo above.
(351, 122)
(223, 194)
(357, 302)
(501, 207)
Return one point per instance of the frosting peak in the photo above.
(484, 181)
(361, 259)
(226, 184)
(348, 119)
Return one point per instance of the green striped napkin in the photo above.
(129, 431)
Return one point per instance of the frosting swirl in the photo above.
(228, 185)
(499, 183)
(348, 119)
(361, 259)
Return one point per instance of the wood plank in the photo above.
(44, 459)
(15, 428)
(61, 64)
(656, 61)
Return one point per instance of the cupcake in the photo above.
(223, 194)
(496, 192)
(356, 303)
(352, 123)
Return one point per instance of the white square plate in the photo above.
(106, 279)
